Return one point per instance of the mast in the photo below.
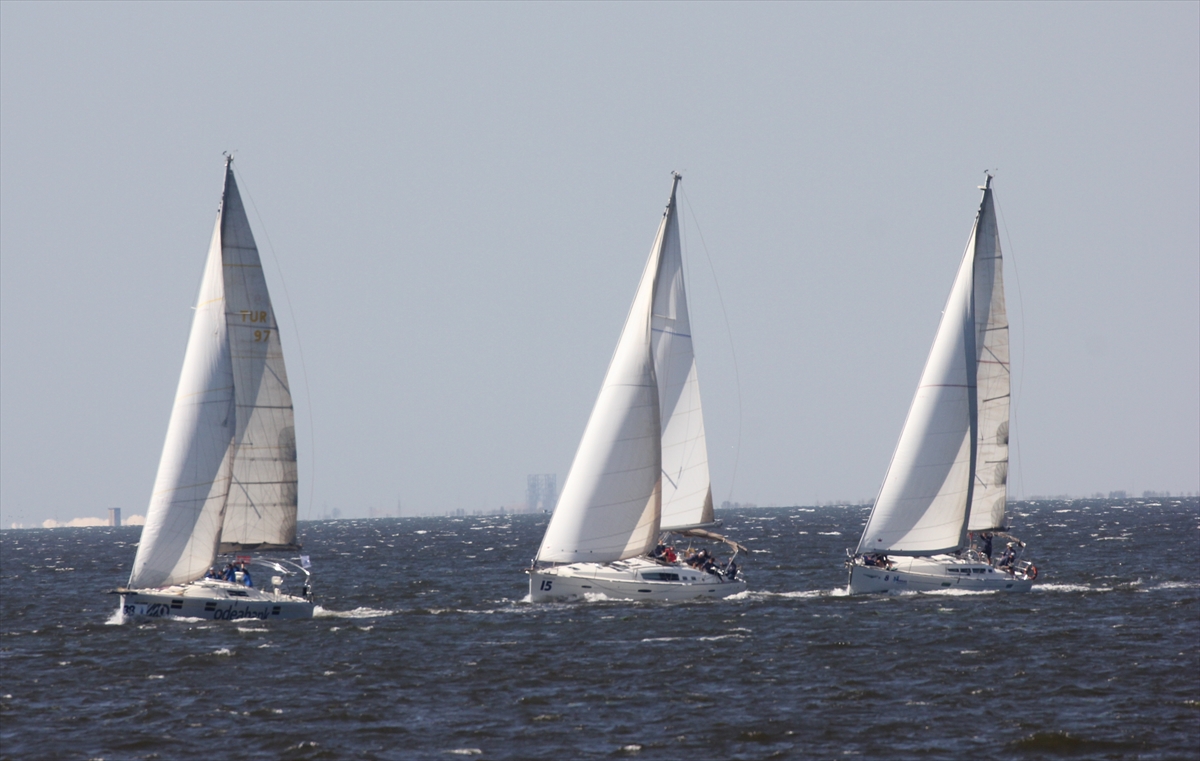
(971, 360)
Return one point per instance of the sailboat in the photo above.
(226, 481)
(640, 475)
(943, 500)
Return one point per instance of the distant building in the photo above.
(114, 516)
(541, 492)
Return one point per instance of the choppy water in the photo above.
(424, 649)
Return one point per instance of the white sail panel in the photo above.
(994, 375)
(610, 503)
(687, 496)
(262, 505)
(922, 505)
(183, 523)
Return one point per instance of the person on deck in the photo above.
(230, 573)
(1010, 555)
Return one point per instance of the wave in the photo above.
(1050, 587)
(1176, 585)
(737, 633)
(759, 595)
(960, 592)
(319, 612)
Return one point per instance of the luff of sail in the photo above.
(922, 507)
(227, 476)
(994, 374)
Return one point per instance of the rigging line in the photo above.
(737, 452)
(299, 347)
(1021, 308)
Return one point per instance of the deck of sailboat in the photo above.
(637, 578)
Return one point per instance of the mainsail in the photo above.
(994, 376)
(950, 467)
(227, 476)
(686, 489)
(642, 464)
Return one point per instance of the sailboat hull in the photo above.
(632, 579)
(214, 601)
(932, 574)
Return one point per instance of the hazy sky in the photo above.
(461, 197)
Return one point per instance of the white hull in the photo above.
(213, 600)
(632, 579)
(929, 574)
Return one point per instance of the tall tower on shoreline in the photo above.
(541, 492)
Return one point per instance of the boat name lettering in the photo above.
(234, 615)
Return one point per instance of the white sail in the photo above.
(922, 506)
(611, 504)
(183, 522)
(686, 489)
(262, 505)
(227, 477)
(994, 378)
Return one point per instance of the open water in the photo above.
(425, 649)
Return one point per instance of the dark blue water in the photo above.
(425, 650)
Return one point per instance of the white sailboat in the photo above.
(948, 476)
(226, 481)
(641, 470)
